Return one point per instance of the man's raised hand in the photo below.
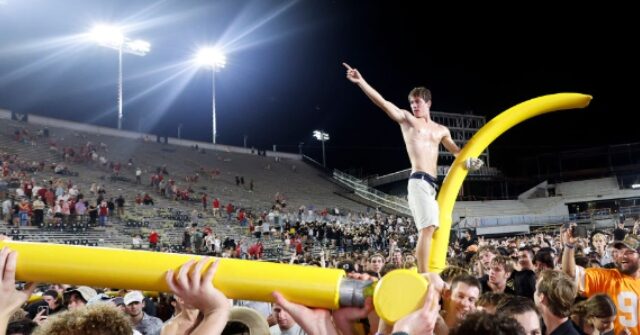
(473, 164)
(352, 74)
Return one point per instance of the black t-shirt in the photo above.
(619, 234)
(566, 328)
(486, 288)
(524, 283)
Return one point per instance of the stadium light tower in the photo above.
(214, 59)
(113, 38)
(322, 137)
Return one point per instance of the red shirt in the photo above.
(153, 237)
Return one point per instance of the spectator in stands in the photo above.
(423, 182)
(103, 213)
(215, 205)
(136, 242)
(138, 175)
(204, 200)
(154, 238)
(24, 211)
(147, 200)
(256, 250)
(120, 206)
(7, 204)
(229, 211)
(93, 212)
(81, 209)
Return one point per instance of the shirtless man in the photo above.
(422, 137)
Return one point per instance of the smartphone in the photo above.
(45, 309)
(579, 231)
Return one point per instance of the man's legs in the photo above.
(423, 248)
(425, 212)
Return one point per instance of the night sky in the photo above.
(284, 76)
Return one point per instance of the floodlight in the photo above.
(211, 57)
(113, 38)
(215, 59)
(322, 137)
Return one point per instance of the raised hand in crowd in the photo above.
(422, 321)
(10, 298)
(197, 291)
(311, 320)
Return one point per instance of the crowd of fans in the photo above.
(563, 282)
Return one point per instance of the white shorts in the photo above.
(423, 204)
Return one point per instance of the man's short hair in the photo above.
(24, 326)
(466, 279)
(503, 261)
(491, 299)
(528, 249)
(482, 323)
(421, 92)
(545, 258)
(376, 255)
(452, 271)
(560, 291)
(488, 248)
(512, 305)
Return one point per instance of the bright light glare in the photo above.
(320, 135)
(211, 57)
(139, 46)
(635, 186)
(107, 35)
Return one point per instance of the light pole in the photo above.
(112, 37)
(322, 137)
(215, 59)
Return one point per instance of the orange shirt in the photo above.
(623, 289)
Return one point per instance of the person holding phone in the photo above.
(621, 283)
(42, 315)
(54, 301)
